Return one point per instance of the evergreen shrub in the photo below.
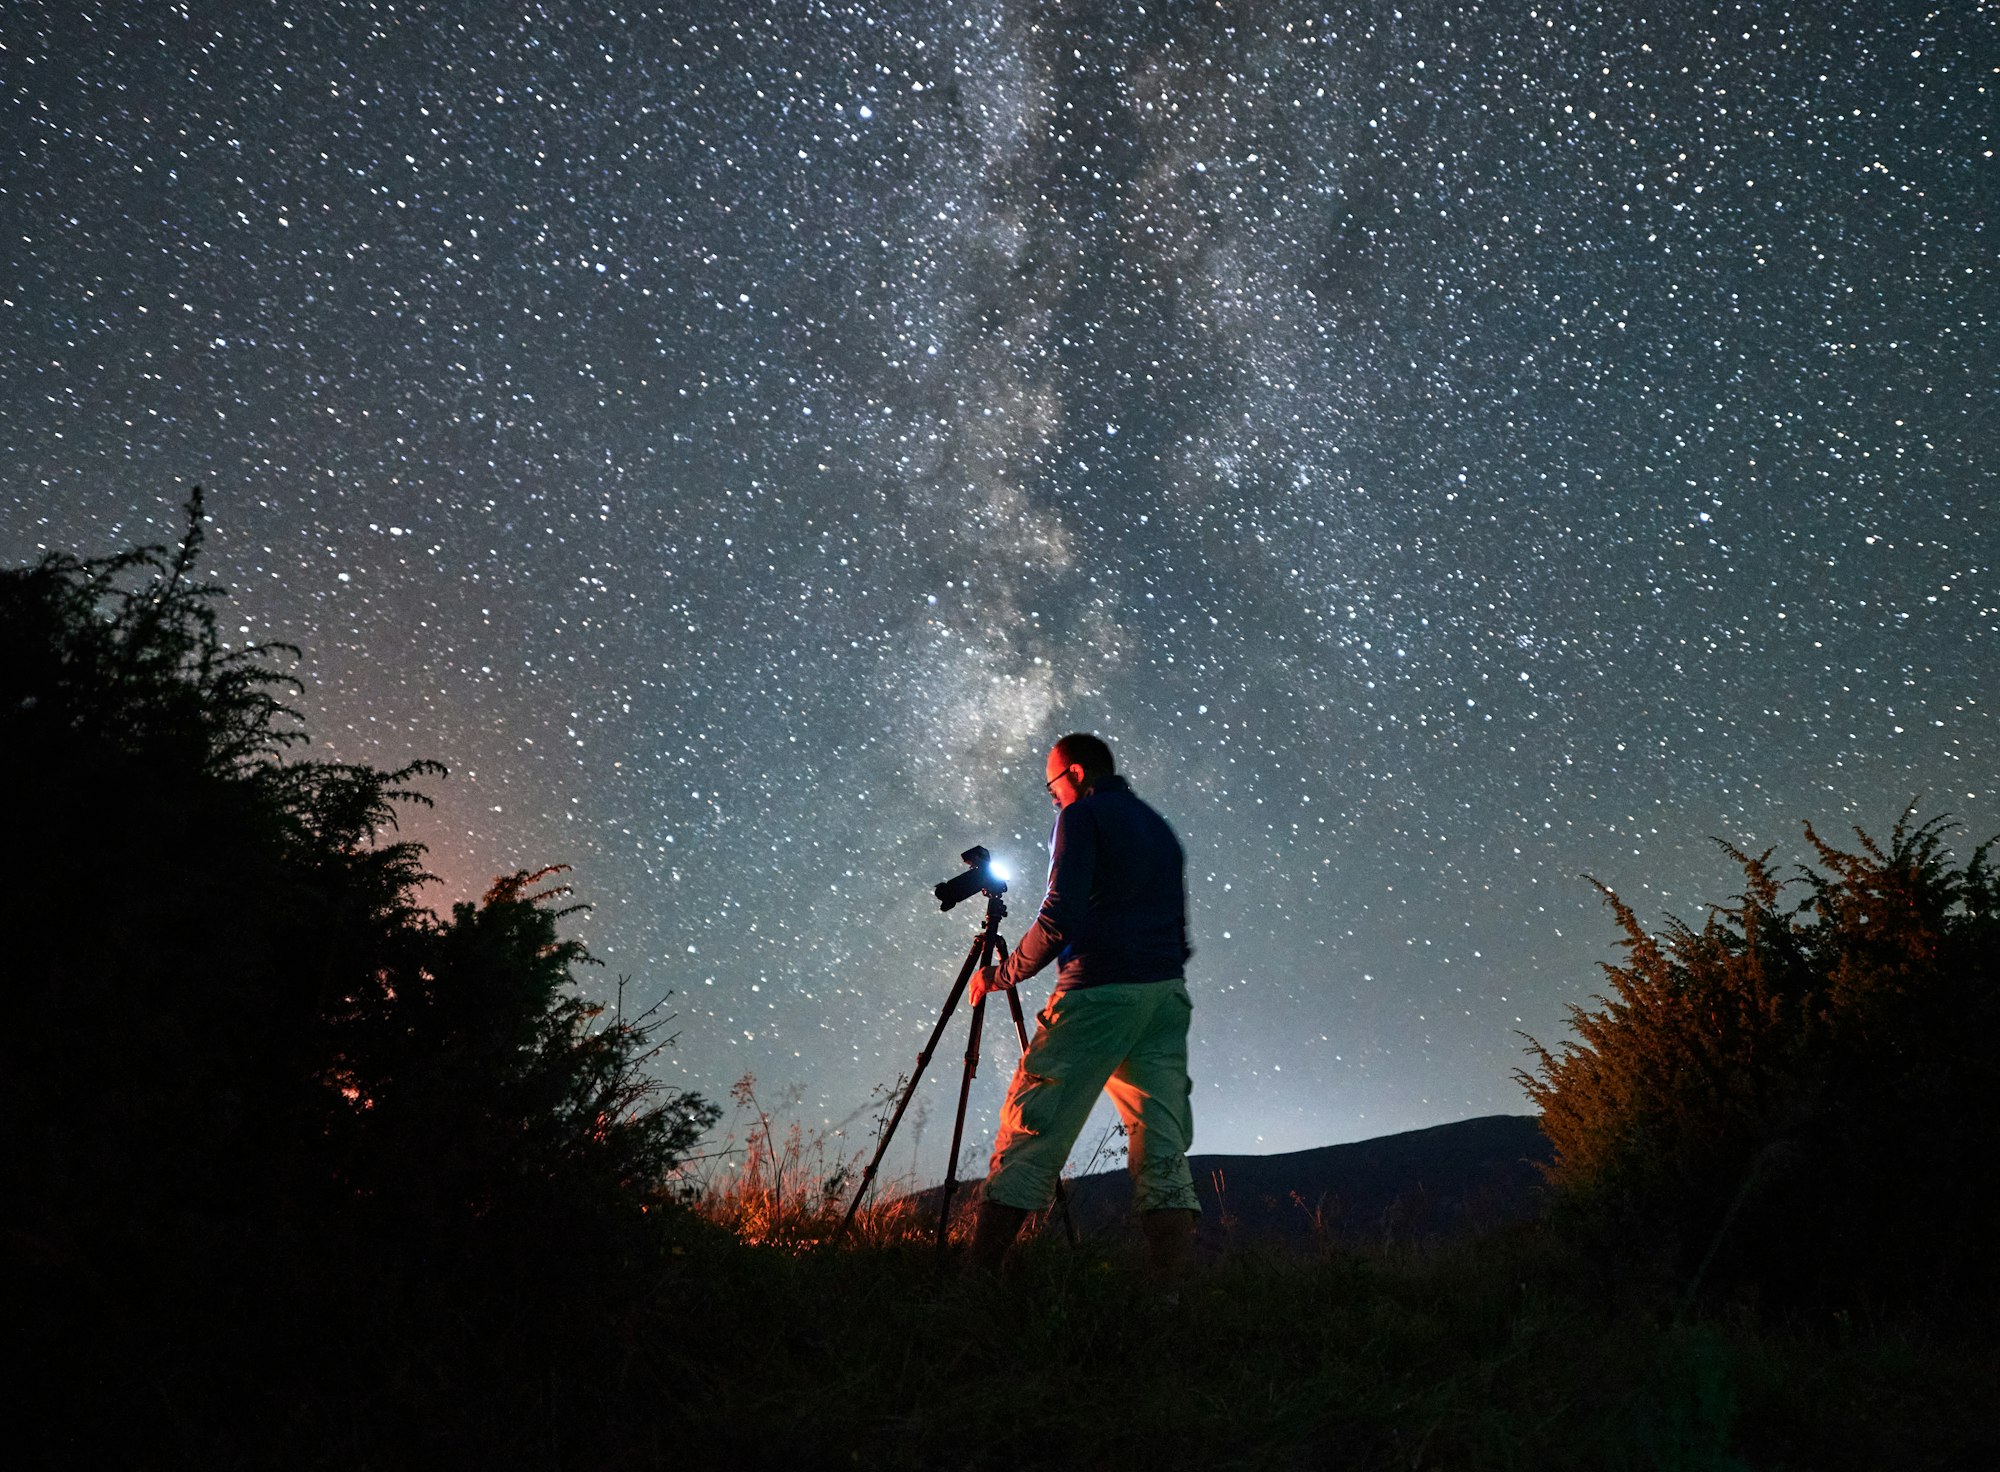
(1797, 1098)
(268, 1118)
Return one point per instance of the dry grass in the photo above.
(771, 1182)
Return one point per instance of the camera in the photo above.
(981, 876)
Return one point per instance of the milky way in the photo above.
(1446, 450)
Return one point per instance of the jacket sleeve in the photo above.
(1072, 868)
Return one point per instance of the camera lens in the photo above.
(959, 887)
(981, 873)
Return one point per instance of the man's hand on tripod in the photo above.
(985, 980)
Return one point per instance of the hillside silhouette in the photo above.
(1427, 1186)
(1450, 1180)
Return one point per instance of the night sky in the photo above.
(1445, 450)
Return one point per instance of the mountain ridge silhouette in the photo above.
(1430, 1184)
(1443, 1181)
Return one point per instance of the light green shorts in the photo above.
(1129, 1039)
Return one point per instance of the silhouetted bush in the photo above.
(1798, 1097)
(254, 1091)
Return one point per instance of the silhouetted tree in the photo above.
(1797, 1095)
(244, 1064)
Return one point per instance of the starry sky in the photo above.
(1447, 449)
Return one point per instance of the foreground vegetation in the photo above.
(1500, 1353)
(303, 1175)
(696, 1351)
(1796, 1099)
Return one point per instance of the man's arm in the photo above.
(1072, 868)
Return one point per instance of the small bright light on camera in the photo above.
(1000, 870)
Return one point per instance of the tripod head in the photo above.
(982, 875)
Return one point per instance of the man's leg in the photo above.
(1152, 1092)
(1079, 1038)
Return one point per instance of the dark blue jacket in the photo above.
(1116, 910)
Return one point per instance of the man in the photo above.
(1115, 917)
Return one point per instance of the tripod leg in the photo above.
(958, 1124)
(978, 949)
(1062, 1196)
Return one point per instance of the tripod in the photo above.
(987, 945)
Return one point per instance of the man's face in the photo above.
(1065, 780)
